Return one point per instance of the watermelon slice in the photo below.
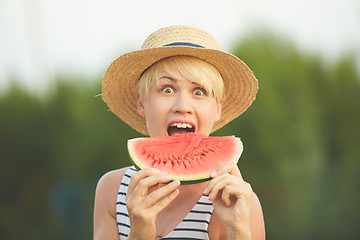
(189, 157)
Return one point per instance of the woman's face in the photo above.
(176, 105)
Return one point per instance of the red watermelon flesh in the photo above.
(189, 157)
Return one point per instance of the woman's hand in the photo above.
(143, 206)
(231, 197)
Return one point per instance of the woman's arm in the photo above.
(105, 226)
(256, 219)
(238, 213)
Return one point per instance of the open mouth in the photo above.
(180, 128)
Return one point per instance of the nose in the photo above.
(183, 104)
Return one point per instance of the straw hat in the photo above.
(118, 86)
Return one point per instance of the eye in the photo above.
(200, 92)
(167, 89)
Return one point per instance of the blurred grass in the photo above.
(301, 148)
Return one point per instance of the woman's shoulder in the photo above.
(105, 204)
(107, 189)
(112, 177)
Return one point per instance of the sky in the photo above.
(40, 39)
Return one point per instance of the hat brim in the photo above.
(120, 93)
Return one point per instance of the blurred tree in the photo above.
(26, 147)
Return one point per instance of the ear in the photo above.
(218, 110)
(140, 107)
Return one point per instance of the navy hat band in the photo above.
(183, 44)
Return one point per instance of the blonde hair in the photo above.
(191, 68)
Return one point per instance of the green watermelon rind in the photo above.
(186, 180)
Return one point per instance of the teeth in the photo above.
(182, 125)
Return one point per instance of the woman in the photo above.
(179, 82)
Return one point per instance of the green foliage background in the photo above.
(301, 148)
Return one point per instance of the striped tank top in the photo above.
(193, 226)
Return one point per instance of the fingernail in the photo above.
(166, 177)
(210, 196)
(213, 174)
(154, 170)
(175, 182)
(206, 189)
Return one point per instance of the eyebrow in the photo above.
(174, 80)
(168, 78)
